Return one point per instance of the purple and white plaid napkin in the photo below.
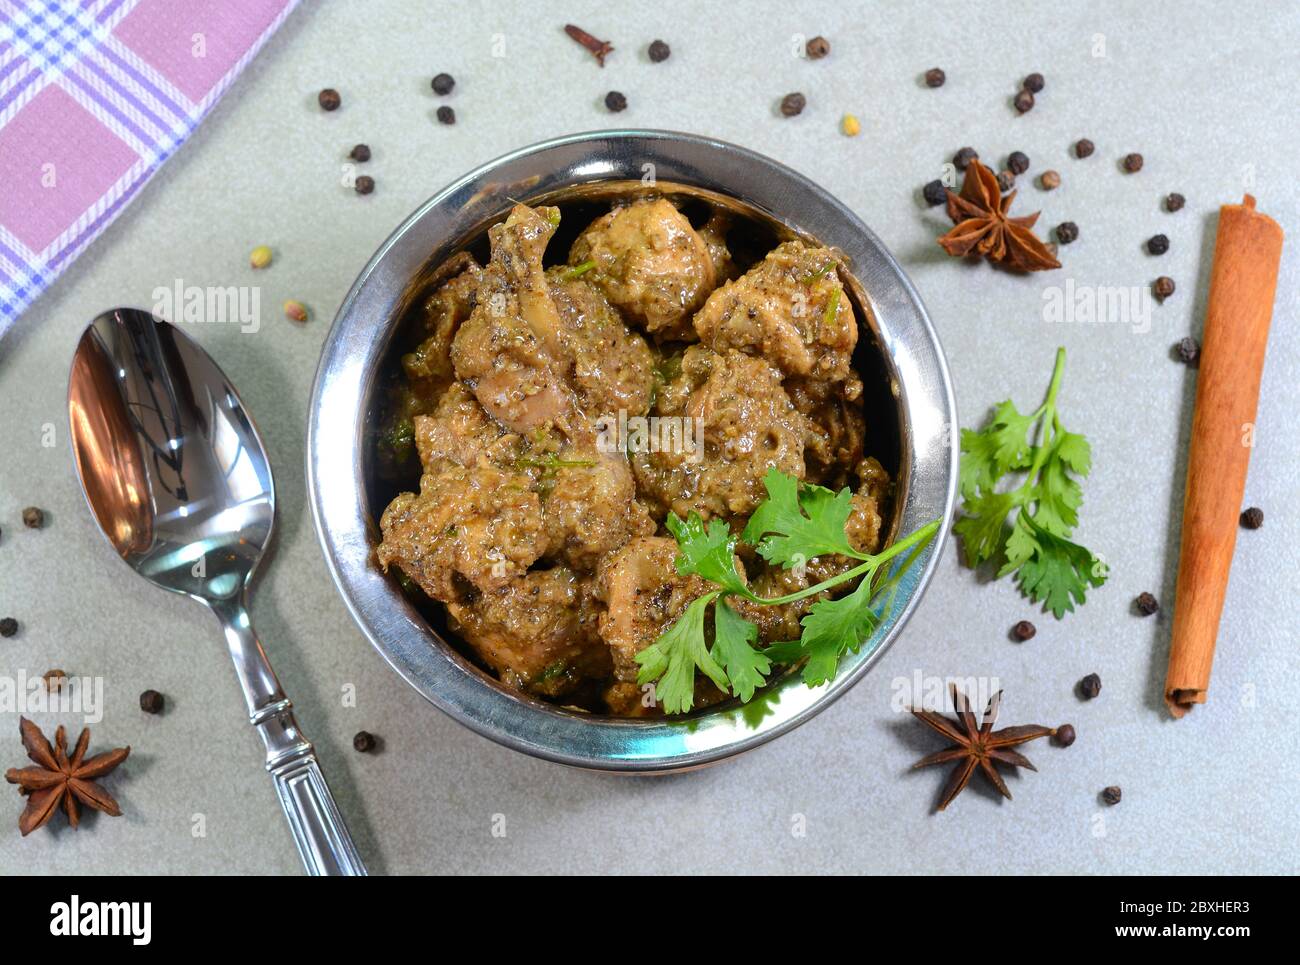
(94, 96)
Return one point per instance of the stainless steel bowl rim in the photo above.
(355, 346)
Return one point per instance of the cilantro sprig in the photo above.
(1050, 568)
(796, 523)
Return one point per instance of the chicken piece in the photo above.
(835, 410)
(589, 506)
(610, 366)
(538, 631)
(714, 236)
(460, 432)
(480, 525)
(643, 594)
(735, 404)
(444, 311)
(789, 308)
(650, 263)
(509, 351)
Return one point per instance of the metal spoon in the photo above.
(176, 475)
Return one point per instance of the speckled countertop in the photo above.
(1207, 99)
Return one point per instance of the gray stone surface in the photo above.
(1208, 99)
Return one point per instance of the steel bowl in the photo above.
(345, 400)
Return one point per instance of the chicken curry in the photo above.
(560, 411)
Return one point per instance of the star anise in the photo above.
(983, 227)
(60, 779)
(977, 745)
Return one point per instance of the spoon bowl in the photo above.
(177, 477)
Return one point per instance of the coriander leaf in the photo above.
(983, 528)
(708, 552)
(1074, 451)
(1057, 572)
(832, 628)
(795, 524)
(998, 448)
(784, 651)
(733, 640)
(672, 659)
(1058, 497)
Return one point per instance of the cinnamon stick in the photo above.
(1243, 282)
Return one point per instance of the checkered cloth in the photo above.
(94, 96)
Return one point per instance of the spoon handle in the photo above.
(318, 829)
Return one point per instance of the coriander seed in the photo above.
(817, 48)
(1049, 180)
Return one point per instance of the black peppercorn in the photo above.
(364, 184)
(1189, 351)
(443, 84)
(793, 104)
(1064, 735)
(1006, 181)
(615, 101)
(963, 158)
(1090, 686)
(1034, 82)
(935, 77)
(1084, 147)
(1024, 630)
(1158, 244)
(364, 742)
(1252, 518)
(1111, 795)
(1024, 101)
(360, 153)
(1175, 202)
(1164, 287)
(817, 48)
(935, 193)
(329, 99)
(8, 627)
(1132, 163)
(33, 518)
(1146, 604)
(1018, 162)
(152, 702)
(1066, 232)
(446, 115)
(659, 51)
